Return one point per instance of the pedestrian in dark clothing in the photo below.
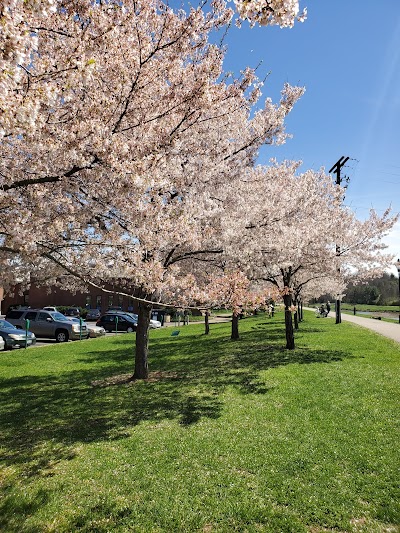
(186, 317)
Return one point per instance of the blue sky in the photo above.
(347, 55)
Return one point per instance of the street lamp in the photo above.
(397, 265)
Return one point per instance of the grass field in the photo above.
(391, 311)
(225, 436)
(371, 308)
(366, 307)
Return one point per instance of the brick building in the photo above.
(37, 297)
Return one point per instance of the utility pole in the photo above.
(336, 170)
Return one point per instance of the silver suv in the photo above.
(49, 324)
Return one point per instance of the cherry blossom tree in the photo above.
(234, 291)
(308, 285)
(110, 176)
(282, 13)
(289, 236)
(127, 159)
(22, 67)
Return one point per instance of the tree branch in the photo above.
(50, 179)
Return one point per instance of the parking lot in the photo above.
(52, 341)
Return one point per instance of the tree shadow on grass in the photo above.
(44, 418)
(14, 508)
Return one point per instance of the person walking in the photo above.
(186, 317)
(328, 307)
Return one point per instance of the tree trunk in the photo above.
(235, 327)
(301, 311)
(296, 314)
(338, 312)
(142, 341)
(288, 322)
(207, 323)
(296, 320)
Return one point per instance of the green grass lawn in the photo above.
(391, 311)
(395, 318)
(364, 307)
(225, 436)
(349, 310)
(371, 308)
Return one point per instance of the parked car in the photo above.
(93, 331)
(72, 311)
(17, 306)
(153, 323)
(48, 324)
(93, 314)
(2, 344)
(50, 308)
(117, 322)
(13, 337)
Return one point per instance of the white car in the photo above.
(93, 330)
(2, 343)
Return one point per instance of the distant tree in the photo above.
(382, 290)
(362, 294)
(232, 290)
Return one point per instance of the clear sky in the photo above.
(347, 55)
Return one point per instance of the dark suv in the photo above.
(49, 324)
(117, 322)
(93, 314)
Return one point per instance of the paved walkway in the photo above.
(388, 329)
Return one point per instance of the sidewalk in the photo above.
(388, 329)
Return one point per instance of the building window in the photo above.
(88, 301)
(120, 301)
(111, 300)
(98, 301)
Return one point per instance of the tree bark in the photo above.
(296, 320)
(142, 341)
(207, 323)
(235, 327)
(296, 314)
(288, 322)
(338, 312)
